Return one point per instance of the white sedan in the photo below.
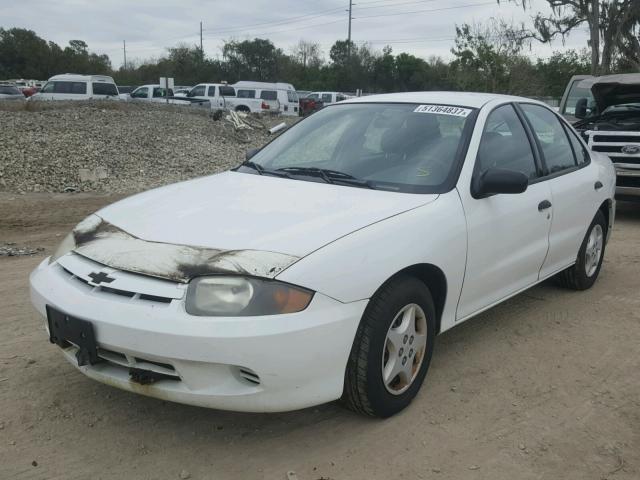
(325, 265)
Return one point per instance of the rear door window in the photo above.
(556, 149)
(326, 97)
(211, 92)
(582, 156)
(159, 92)
(269, 95)
(246, 94)
(104, 89)
(227, 91)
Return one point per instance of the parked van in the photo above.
(223, 96)
(284, 93)
(70, 86)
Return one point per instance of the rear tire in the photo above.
(583, 274)
(382, 343)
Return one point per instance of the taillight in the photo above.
(265, 106)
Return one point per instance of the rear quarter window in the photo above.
(269, 95)
(246, 94)
(104, 89)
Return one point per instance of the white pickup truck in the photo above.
(606, 111)
(224, 96)
(157, 94)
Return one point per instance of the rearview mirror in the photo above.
(497, 180)
(251, 153)
(581, 108)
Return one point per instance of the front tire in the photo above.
(583, 274)
(392, 349)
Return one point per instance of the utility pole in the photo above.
(349, 35)
(201, 48)
(124, 48)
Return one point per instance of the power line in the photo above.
(296, 19)
(395, 4)
(429, 10)
(288, 30)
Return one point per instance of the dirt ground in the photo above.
(544, 386)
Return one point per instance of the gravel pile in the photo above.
(114, 147)
(13, 250)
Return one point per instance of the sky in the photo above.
(420, 27)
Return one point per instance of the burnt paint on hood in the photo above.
(105, 243)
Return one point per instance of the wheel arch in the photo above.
(606, 208)
(434, 279)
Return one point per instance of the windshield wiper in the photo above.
(329, 176)
(263, 171)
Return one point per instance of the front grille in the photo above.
(628, 160)
(633, 182)
(613, 143)
(615, 138)
(118, 359)
(101, 289)
(607, 148)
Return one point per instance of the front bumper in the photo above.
(255, 364)
(627, 182)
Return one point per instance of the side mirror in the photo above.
(251, 153)
(497, 180)
(581, 108)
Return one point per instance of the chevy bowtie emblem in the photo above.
(100, 277)
(631, 149)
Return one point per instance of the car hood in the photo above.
(611, 90)
(232, 221)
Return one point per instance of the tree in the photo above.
(488, 58)
(307, 54)
(613, 27)
(255, 59)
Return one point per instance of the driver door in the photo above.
(507, 234)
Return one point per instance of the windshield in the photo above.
(400, 147)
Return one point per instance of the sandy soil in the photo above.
(545, 386)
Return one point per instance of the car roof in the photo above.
(75, 77)
(465, 99)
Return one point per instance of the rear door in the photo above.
(575, 198)
(213, 94)
(507, 235)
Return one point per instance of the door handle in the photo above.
(598, 185)
(544, 205)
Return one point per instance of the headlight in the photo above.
(232, 296)
(65, 247)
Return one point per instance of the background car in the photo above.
(10, 92)
(70, 86)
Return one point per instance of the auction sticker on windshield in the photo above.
(443, 110)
